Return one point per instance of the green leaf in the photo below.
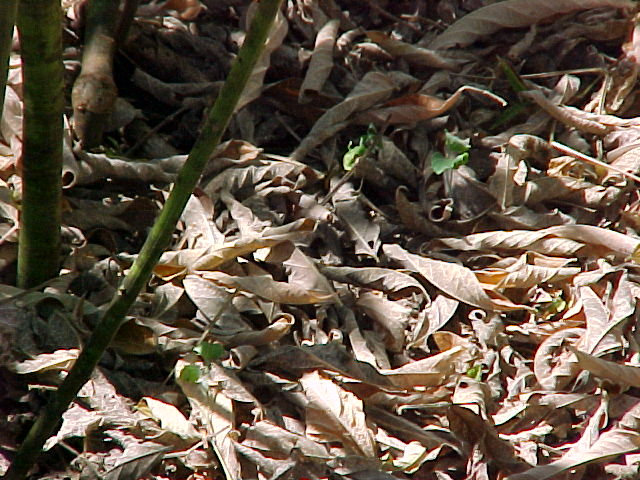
(209, 351)
(455, 144)
(512, 77)
(475, 372)
(456, 153)
(440, 163)
(367, 142)
(353, 154)
(190, 373)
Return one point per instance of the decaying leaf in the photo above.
(413, 54)
(610, 444)
(322, 59)
(136, 461)
(335, 414)
(553, 367)
(170, 417)
(373, 88)
(274, 40)
(215, 413)
(561, 240)
(60, 360)
(457, 281)
(387, 280)
(510, 14)
(606, 370)
(415, 107)
(431, 371)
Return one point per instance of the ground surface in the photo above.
(388, 271)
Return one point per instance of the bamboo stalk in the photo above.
(140, 272)
(40, 33)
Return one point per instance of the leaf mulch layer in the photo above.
(415, 256)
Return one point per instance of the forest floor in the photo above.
(414, 257)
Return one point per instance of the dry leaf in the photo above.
(611, 371)
(455, 280)
(321, 61)
(413, 54)
(60, 360)
(610, 444)
(415, 107)
(373, 88)
(511, 14)
(169, 416)
(335, 414)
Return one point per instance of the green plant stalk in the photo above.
(8, 11)
(140, 272)
(40, 32)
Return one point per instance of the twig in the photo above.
(148, 135)
(585, 158)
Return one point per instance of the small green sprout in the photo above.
(456, 154)
(190, 373)
(209, 351)
(475, 372)
(367, 142)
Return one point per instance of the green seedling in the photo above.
(552, 308)
(475, 372)
(367, 143)
(456, 154)
(515, 82)
(209, 351)
(190, 373)
(517, 85)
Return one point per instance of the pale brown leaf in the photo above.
(607, 370)
(415, 107)
(391, 316)
(511, 14)
(559, 240)
(268, 437)
(384, 279)
(610, 444)
(181, 262)
(373, 88)
(60, 360)
(601, 335)
(335, 414)
(455, 280)
(136, 461)
(266, 287)
(431, 371)
(411, 53)
(574, 117)
(554, 367)
(364, 232)
(169, 417)
(215, 412)
(303, 273)
(321, 61)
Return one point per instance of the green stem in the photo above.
(40, 31)
(214, 127)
